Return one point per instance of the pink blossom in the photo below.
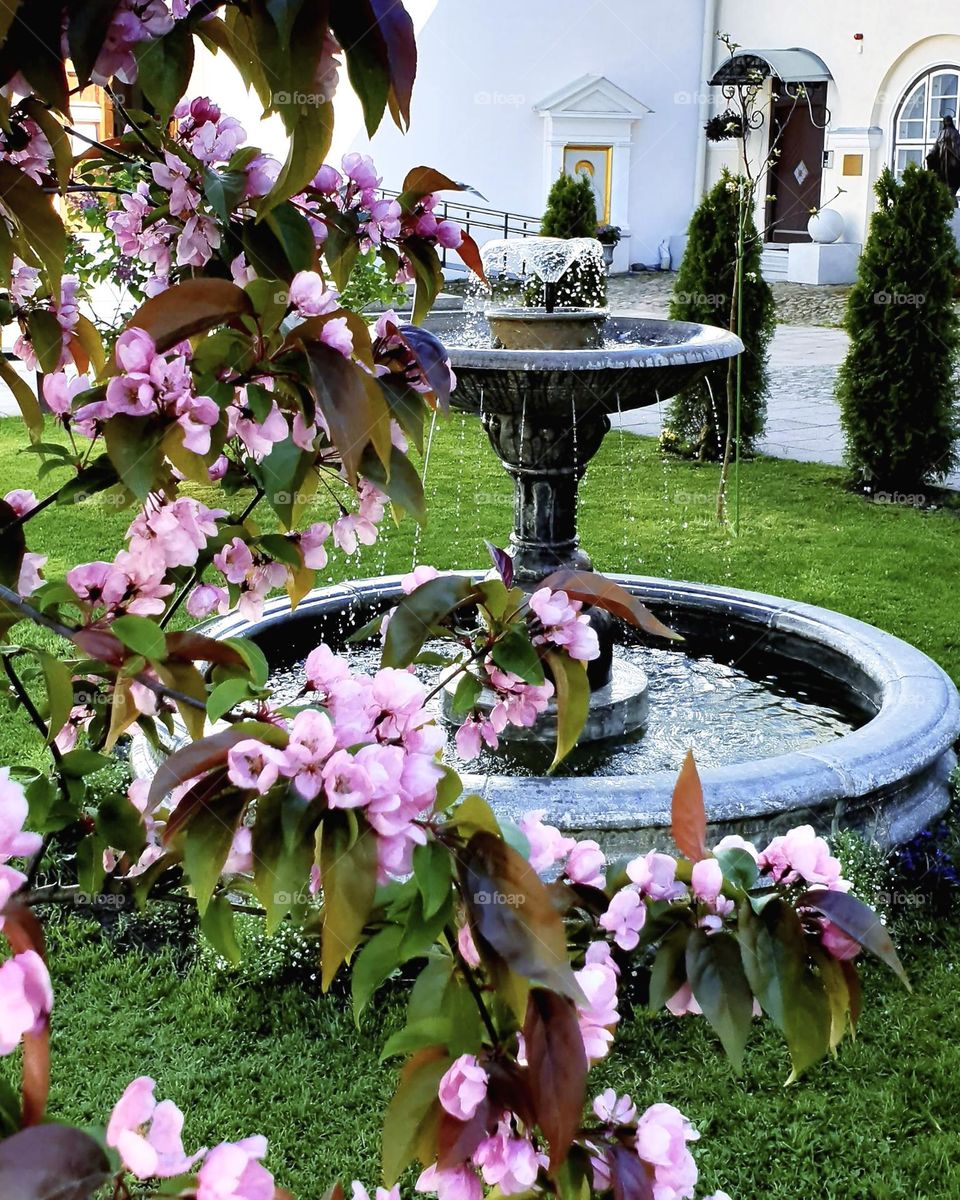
(733, 841)
(175, 177)
(239, 861)
(216, 140)
(419, 575)
(26, 998)
(232, 1171)
(707, 880)
(205, 599)
(196, 244)
(453, 1183)
(234, 561)
(360, 170)
(585, 863)
(21, 501)
(328, 180)
(655, 875)
(338, 335)
(310, 295)
(147, 1135)
(547, 844)
(312, 741)
(261, 173)
(662, 1136)
(312, 545)
(346, 782)
(683, 1002)
(467, 946)
(30, 578)
(553, 608)
(324, 668)
(351, 530)
(599, 1013)
(59, 392)
(507, 1161)
(801, 855)
(133, 22)
(472, 734)
(612, 1109)
(837, 943)
(253, 764)
(449, 235)
(625, 917)
(463, 1087)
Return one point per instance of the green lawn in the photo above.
(273, 1056)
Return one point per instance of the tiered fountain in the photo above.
(797, 714)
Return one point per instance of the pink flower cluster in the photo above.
(599, 1015)
(148, 1136)
(27, 148)
(126, 585)
(517, 703)
(661, 1137)
(133, 22)
(564, 625)
(256, 573)
(374, 750)
(155, 384)
(14, 843)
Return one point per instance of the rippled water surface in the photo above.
(725, 712)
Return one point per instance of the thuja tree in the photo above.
(334, 810)
(897, 386)
(704, 291)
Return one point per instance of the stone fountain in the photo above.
(883, 769)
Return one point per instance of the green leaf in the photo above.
(282, 857)
(281, 244)
(34, 213)
(90, 872)
(433, 871)
(411, 1111)
(135, 446)
(669, 968)
(26, 399)
(348, 870)
(224, 190)
(46, 337)
(121, 825)
(59, 683)
(467, 694)
(378, 959)
(254, 657)
(573, 701)
(403, 485)
(55, 134)
(721, 989)
(368, 67)
(310, 141)
(773, 950)
(430, 1031)
(207, 840)
(739, 867)
(141, 635)
(226, 696)
(515, 652)
(164, 67)
(281, 475)
(78, 763)
(217, 926)
(418, 613)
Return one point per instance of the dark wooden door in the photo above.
(795, 178)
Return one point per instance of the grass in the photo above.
(243, 1055)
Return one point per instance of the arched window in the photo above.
(920, 115)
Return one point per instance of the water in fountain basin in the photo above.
(732, 707)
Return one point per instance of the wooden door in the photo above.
(795, 177)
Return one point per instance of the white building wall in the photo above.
(870, 76)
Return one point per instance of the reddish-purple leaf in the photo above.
(194, 647)
(557, 1069)
(689, 816)
(457, 1140)
(502, 561)
(631, 1177)
(859, 921)
(51, 1162)
(432, 357)
(596, 589)
(189, 308)
(512, 913)
(396, 28)
(199, 757)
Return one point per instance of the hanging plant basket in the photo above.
(724, 126)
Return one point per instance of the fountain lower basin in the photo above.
(887, 779)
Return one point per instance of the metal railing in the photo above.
(470, 217)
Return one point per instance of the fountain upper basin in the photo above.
(642, 360)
